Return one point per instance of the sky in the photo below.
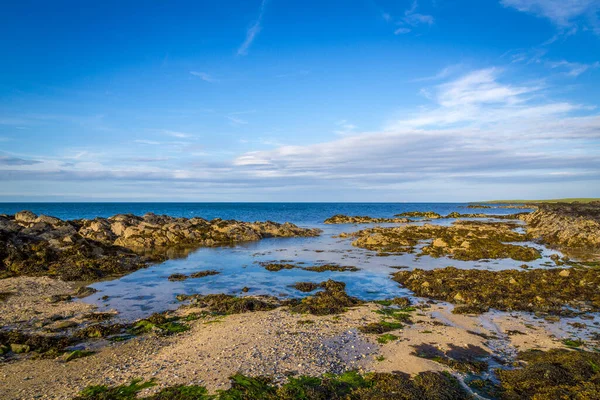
(299, 100)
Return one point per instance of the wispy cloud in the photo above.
(573, 69)
(253, 31)
(148, 142)
(410, 20)
(442, 74)
(176, 134)
(236, 121)
(563, 13)
(413, 18)
(345, 128)
(204, 76)
(16, 161)
(402, 31)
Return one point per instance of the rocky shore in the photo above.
(91, 249)
(528, 333)
(568, 226)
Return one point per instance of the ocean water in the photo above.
(149, 290)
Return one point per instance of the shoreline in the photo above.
(210, 338)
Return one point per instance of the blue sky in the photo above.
(331, 100)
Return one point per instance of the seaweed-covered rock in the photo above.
(555, 374)
(466, 240)
(346, 219)
(420, 214)
(278, 266)
(332, 300)
(535, 290)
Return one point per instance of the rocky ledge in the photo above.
(464, 240)
(566, 225)
(348, 219)
(90, 249)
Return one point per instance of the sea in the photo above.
(148, 290)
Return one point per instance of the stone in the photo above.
(25, 216)
(19, 348)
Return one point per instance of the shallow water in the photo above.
(149, 290)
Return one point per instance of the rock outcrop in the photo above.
(566, 225)
(90, 249)
(466, 241)
(347, 219)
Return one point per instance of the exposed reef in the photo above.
(461, 241)
(420, 214)
(346, 219)
(278, 266)
(555, 291)
(569, 226)
(91, 249)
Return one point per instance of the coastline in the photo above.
(56, 342)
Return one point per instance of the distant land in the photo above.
(569, 200)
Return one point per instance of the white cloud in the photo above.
(253, 31)
(204, 76)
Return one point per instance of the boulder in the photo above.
(26, 217)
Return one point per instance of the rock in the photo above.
(85, 291)
(566, 225)
(55, 298)
(439, 243)
(564, 273)
(345, 219)
(19, 348)
(48, 220)
(459, 298)
(25, 217)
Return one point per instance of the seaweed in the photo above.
(348, 385)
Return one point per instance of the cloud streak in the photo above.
(253, 31)
(204, 76)
(563, 13)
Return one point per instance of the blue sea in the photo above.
(148, 290)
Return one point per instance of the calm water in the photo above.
(148, 290)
